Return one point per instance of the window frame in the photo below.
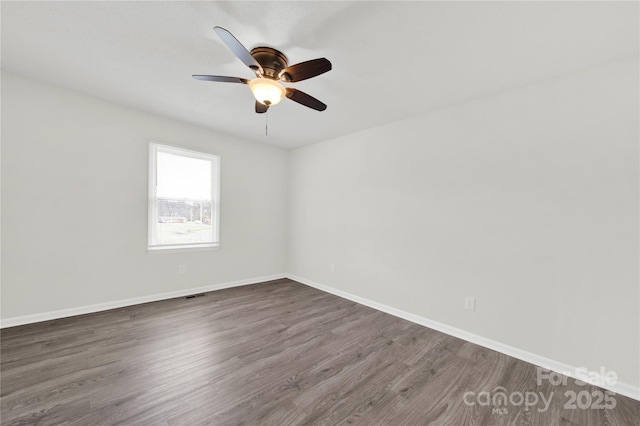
(154, 148)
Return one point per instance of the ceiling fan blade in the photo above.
(238, 49)
(305, 70)
(221, 78)
(304, 99)
(261, 108)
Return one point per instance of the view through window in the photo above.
(183, 198)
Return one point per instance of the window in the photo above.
(183, 198)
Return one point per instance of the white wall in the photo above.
(527, 200)
(74, 199)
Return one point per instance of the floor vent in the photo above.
(193, 296)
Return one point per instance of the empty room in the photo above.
(320, 213)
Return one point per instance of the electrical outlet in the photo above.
(182, 269)
(470, 303)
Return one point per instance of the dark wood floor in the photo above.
(278, 353)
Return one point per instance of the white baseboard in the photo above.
(81, 310)
(549, 364)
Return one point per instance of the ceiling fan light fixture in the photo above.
(267, 91)
(271, 66)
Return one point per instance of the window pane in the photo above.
(183, 177)
(183, 222)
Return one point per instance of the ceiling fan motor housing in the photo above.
(271, 60)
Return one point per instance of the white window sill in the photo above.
(181, 248)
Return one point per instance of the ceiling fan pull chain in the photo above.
(266, 124)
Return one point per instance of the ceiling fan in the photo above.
(271, 67)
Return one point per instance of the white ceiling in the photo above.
(391, 60)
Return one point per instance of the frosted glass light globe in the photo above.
(267, 91)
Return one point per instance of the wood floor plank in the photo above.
(276, 353)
